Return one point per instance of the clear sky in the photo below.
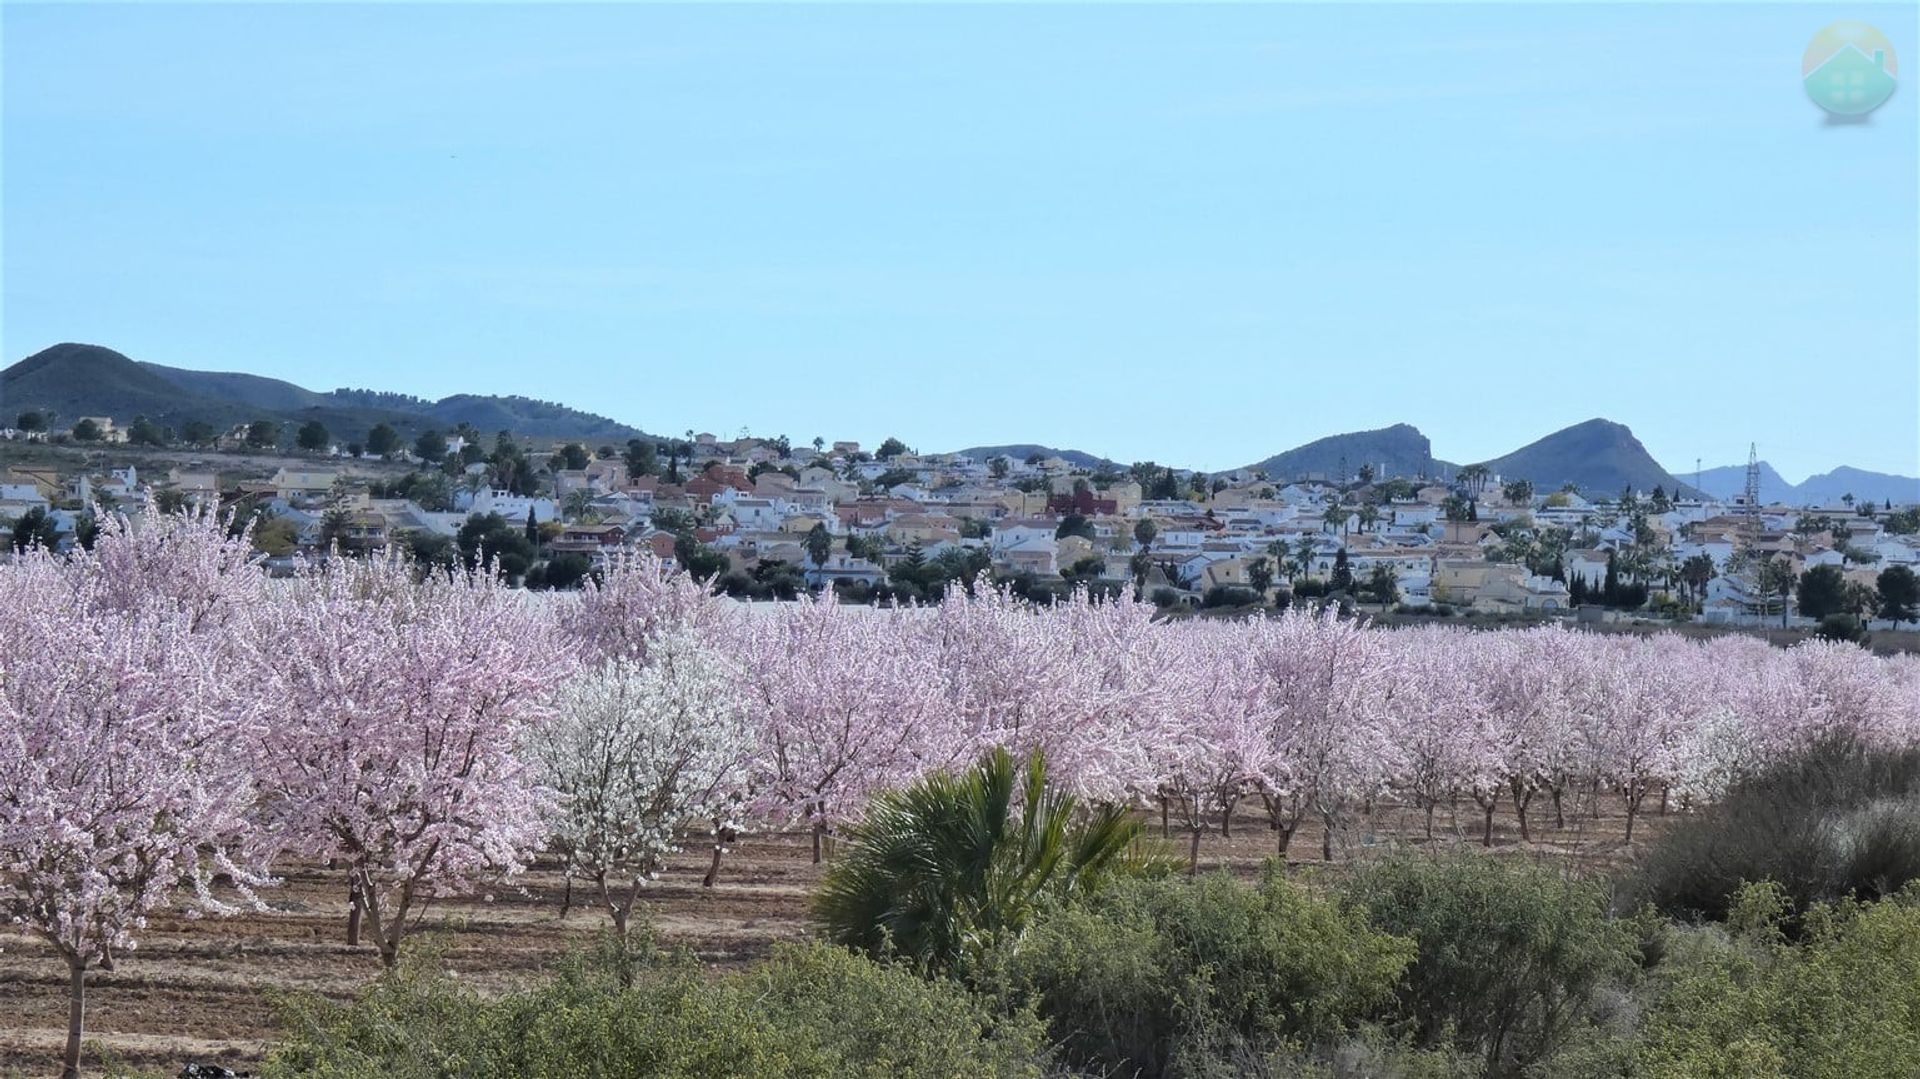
(1194, 234)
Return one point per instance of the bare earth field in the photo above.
(204, 988)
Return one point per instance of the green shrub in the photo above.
(938, 871)
(1222, 595)
(1185, 977)
(1842, 627)
(810, 1011)
(1513, 959)
(1841, 1002)
(1838, 820)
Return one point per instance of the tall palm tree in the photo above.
(937, 871)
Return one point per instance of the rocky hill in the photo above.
(1599, 457)
(1400, 450)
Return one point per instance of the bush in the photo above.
(1838, 820)
(810, 1011)
(1222, 595)
(1512, 958)
(1184, 977)
(1841, 627)
(1843, 1002)
(1165, 597)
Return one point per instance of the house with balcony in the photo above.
(590, 539)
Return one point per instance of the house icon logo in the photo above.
(1849, 69)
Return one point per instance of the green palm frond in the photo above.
(937, 871)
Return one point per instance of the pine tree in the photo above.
(1342, 579)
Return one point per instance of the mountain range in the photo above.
(74, 380)
(1597, 456)
(1729, 481)
(1021, 451)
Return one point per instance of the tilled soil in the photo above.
(206, 988)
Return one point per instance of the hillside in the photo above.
(1020, 451)
(1599, 457)
(85, 380)
(253, 391)
(1400, 450)
(74, 380)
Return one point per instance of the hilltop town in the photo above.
(766, 519)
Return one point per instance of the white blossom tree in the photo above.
(641, 755)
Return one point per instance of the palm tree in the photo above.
(577, 503)
(938, 871)
(1337, 517)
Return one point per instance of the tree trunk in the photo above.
(1559, 815)
(1430, 806)
(1193, 854)
(819, 828)
(1326, 836)
(1286, 839)
(566, 898)
(727, 835)
(76, 1017)
(1487, 805)
(1665, 790)
(354, 907)
(1634, 795)
(1226, 821)
(1521, 797)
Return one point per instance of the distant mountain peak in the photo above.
(1597, 455)
(1396, 450)
(1730, 481)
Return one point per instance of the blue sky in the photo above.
(1194, 234)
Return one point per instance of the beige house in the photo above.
(301, 485)
(1226, 573)
(925, 529)
(1458, 581)
(1512, 588)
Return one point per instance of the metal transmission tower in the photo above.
(1752, 509)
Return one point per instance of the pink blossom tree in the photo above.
(400, 752)
(846, 705)
(1222, 754)
(126, 709)
(1329, 724)
(1080, 680)
(637, 600)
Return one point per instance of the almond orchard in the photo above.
(175, 726)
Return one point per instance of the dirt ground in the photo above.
(204, 988)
